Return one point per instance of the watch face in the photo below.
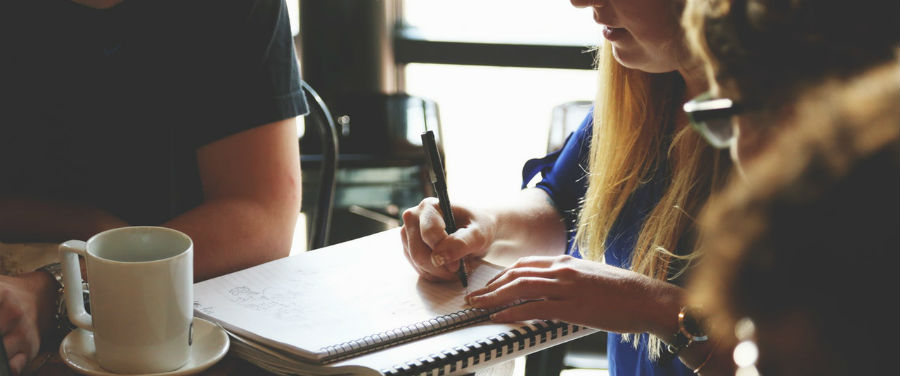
(693, 324)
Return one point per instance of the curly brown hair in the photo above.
(814, 230)
(770, 50)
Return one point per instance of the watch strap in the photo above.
(681, 341)
(55, 270)
(60, 315)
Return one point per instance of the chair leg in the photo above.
(547, 362)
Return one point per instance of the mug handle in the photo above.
(68, 255)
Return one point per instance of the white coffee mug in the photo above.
(141, 296)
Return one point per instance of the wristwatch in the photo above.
(691, 328)
(61, 316)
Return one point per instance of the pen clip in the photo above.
(431, 174)
(431, 156)
(438, 179)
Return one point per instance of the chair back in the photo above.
(565, 119)
(320, 219)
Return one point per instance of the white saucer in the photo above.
(210, 345)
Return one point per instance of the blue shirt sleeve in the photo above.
(564, 176)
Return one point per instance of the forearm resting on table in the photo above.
(25, 219)
(234, 234)
(527, 225)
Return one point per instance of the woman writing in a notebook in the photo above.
(637, 213)
(649, 175)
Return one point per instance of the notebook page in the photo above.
(329, 296)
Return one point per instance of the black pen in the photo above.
(439, 181)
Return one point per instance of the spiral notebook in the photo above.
(360, 308)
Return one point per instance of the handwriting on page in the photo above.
(286, 302)
(302, 302)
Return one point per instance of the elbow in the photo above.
(283, 208)
(264, 226)
(274, 251)
(280, 243)
(270, 240)
(279, 240)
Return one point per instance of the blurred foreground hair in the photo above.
(814, 231)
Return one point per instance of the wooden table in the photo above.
(49, 363)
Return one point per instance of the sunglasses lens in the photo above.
(712, 118)
(721, 129)
(718, 132)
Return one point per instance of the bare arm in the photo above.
(25, 219)
(251, 187)
(597, 295)
(528, 225)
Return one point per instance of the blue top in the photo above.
(564, 178)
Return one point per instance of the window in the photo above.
(494, 118)
(506, 22)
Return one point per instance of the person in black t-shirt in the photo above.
(169, 113)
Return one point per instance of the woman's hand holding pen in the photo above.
(432, 252)
(581, 292)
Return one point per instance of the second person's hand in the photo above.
(25, 315)
(581, 292)
(432, 252)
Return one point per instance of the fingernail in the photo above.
(437, 260)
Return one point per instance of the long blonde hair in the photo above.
(636, 134)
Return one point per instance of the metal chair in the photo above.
(320, 218)
(380, 164)
(565, 119)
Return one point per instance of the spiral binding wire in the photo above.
(471, 354)
(406, 333)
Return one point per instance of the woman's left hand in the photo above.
(579, 292)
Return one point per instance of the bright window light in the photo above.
(493, 119)
(502, 21)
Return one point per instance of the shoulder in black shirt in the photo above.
(108, 107)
